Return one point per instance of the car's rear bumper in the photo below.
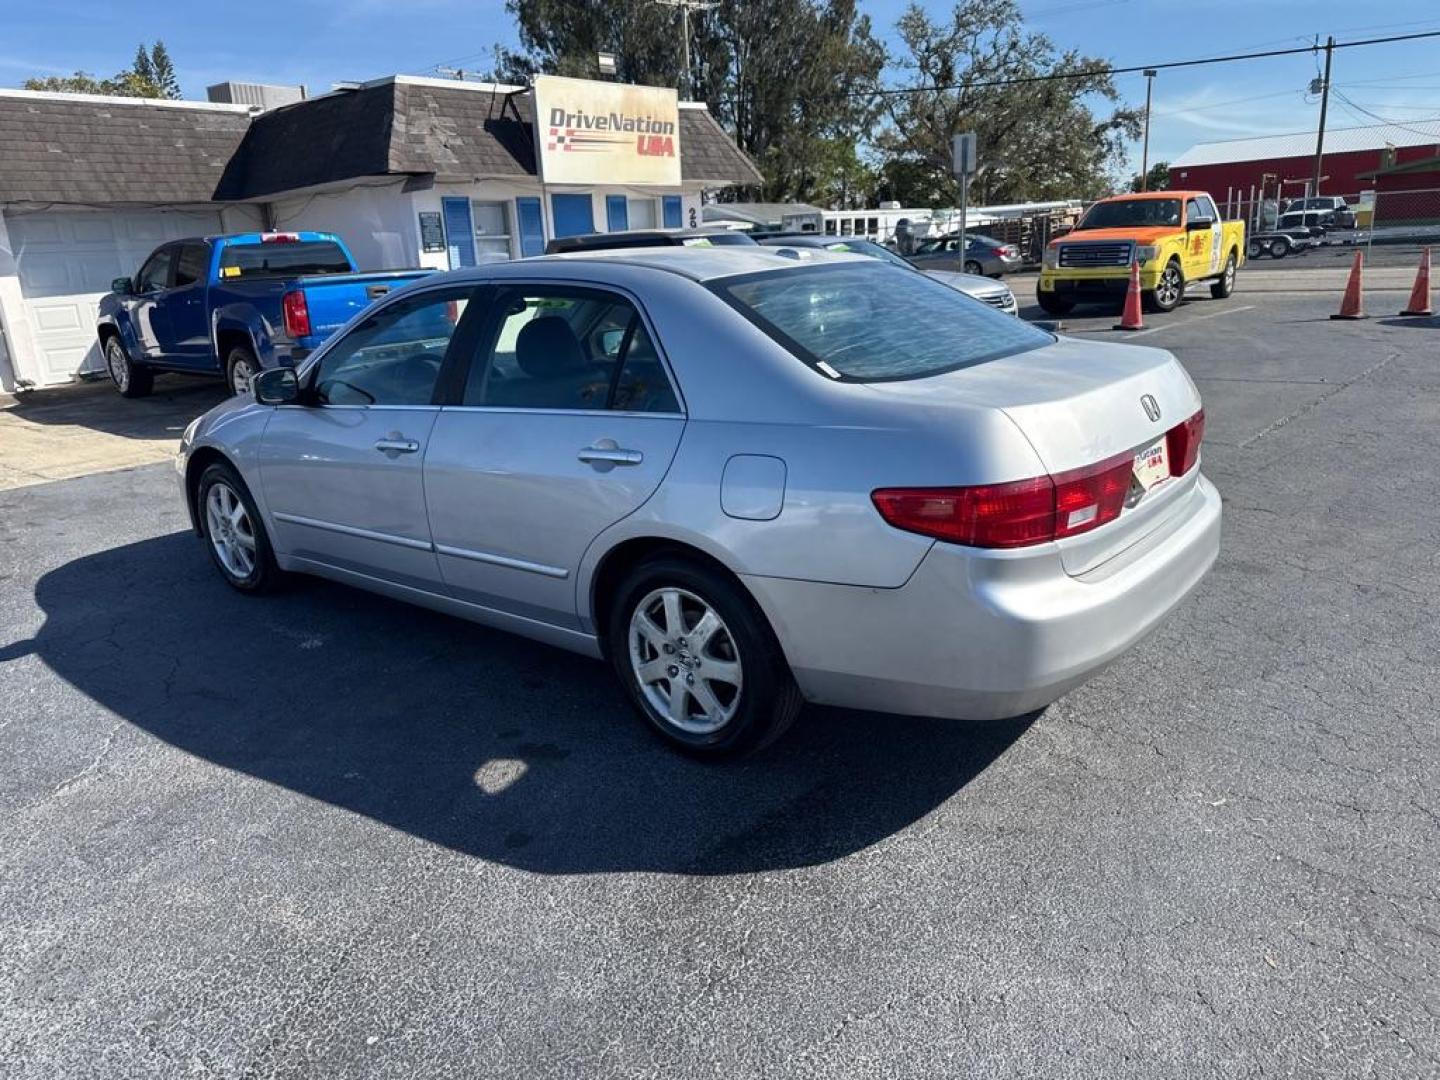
(983, 635)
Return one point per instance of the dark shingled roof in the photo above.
(98, 151)
(458, 134)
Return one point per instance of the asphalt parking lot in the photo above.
(325, 834)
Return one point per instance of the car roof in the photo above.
(1175, 194)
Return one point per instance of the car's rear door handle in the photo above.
(612, 455)
(396, 446)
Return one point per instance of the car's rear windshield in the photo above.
(869, 322)
(1125, 213)
(283, 259)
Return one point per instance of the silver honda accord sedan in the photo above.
(741, 479)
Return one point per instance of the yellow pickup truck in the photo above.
(1177, 237)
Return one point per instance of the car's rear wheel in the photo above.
(234, 533)
(131, 381)
(1226, 285)
(1169, 288)
(1053, 304)
(699, 661)
(240, 367)
(1279, 249)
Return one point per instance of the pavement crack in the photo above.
(1276, 425)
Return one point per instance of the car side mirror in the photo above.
(276, 386)
(1199, 223)
(122, 286)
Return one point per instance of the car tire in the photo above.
(742, 703)
(1253, 250)
(973, 267)
(1053, 304)
(131, 381)
(234, 535)
(240, 367)
(1226, 284)
(1169, 290)
(1279, 248)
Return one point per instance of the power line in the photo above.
(1057, 76)
(1385, 120)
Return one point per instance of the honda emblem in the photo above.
(1151, 406)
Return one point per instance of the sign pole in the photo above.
(964, 214)
(962, 152)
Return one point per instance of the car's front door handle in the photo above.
(396, 445)
(611, 455)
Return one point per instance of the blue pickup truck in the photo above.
(232, 305)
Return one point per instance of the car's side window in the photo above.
(559, 348)
(155, 274)
(1193, 210)
(1207, 207)
(191, 264)
(394, 356)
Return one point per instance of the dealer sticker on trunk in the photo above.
(1152, 465)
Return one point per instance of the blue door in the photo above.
(617, 216)
(532, 226)
(573, 214)
(671, 210)
(459, 232)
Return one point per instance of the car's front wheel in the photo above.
(131, 381)
(234, 534)
(1053, 303)
(699, 661)
(973, 267)
(1169, 288)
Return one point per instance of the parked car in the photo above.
(1175, 237)
(744, 479)
(232, 306)
(987, 290)
(1315, 223)
(1342, 215)
(648, 238)
(984, 255)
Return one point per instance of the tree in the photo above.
(1159, 178)
(980, 70)
(151, 75)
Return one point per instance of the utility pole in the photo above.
(687, 6)
(1324, 105)
(1150, 74)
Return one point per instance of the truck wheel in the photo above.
(1053, 304)
(240, 367)
(1169, 290)
(1253, 249)
(1226, 285)
(131, 381)
(1279, 248)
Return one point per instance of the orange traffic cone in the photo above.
(1130, 316)
(1420, 295)
(1351, 305)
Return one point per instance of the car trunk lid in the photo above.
(1080, 403)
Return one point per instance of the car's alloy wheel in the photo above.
(1226, 285)
(1169, 288)
(686, 661)
(231, 532)
(973, 267)
(132, 382)
(242, 370)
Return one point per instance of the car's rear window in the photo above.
(283, 259)
(869, 322)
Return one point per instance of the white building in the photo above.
(408, 171)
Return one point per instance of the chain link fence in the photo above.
(1405, 217)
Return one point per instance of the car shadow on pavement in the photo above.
(162, 414)
(474, 739)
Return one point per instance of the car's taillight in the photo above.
(1183, 443)
(1000, 251)
(1087, 498)
(297, 314)
(1015, 514)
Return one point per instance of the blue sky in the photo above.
(318, 43)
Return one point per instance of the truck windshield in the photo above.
(868, 322)
(1126, 213)
(283, 259)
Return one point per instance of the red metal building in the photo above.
(1229, 170)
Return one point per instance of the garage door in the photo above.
(67, 260)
